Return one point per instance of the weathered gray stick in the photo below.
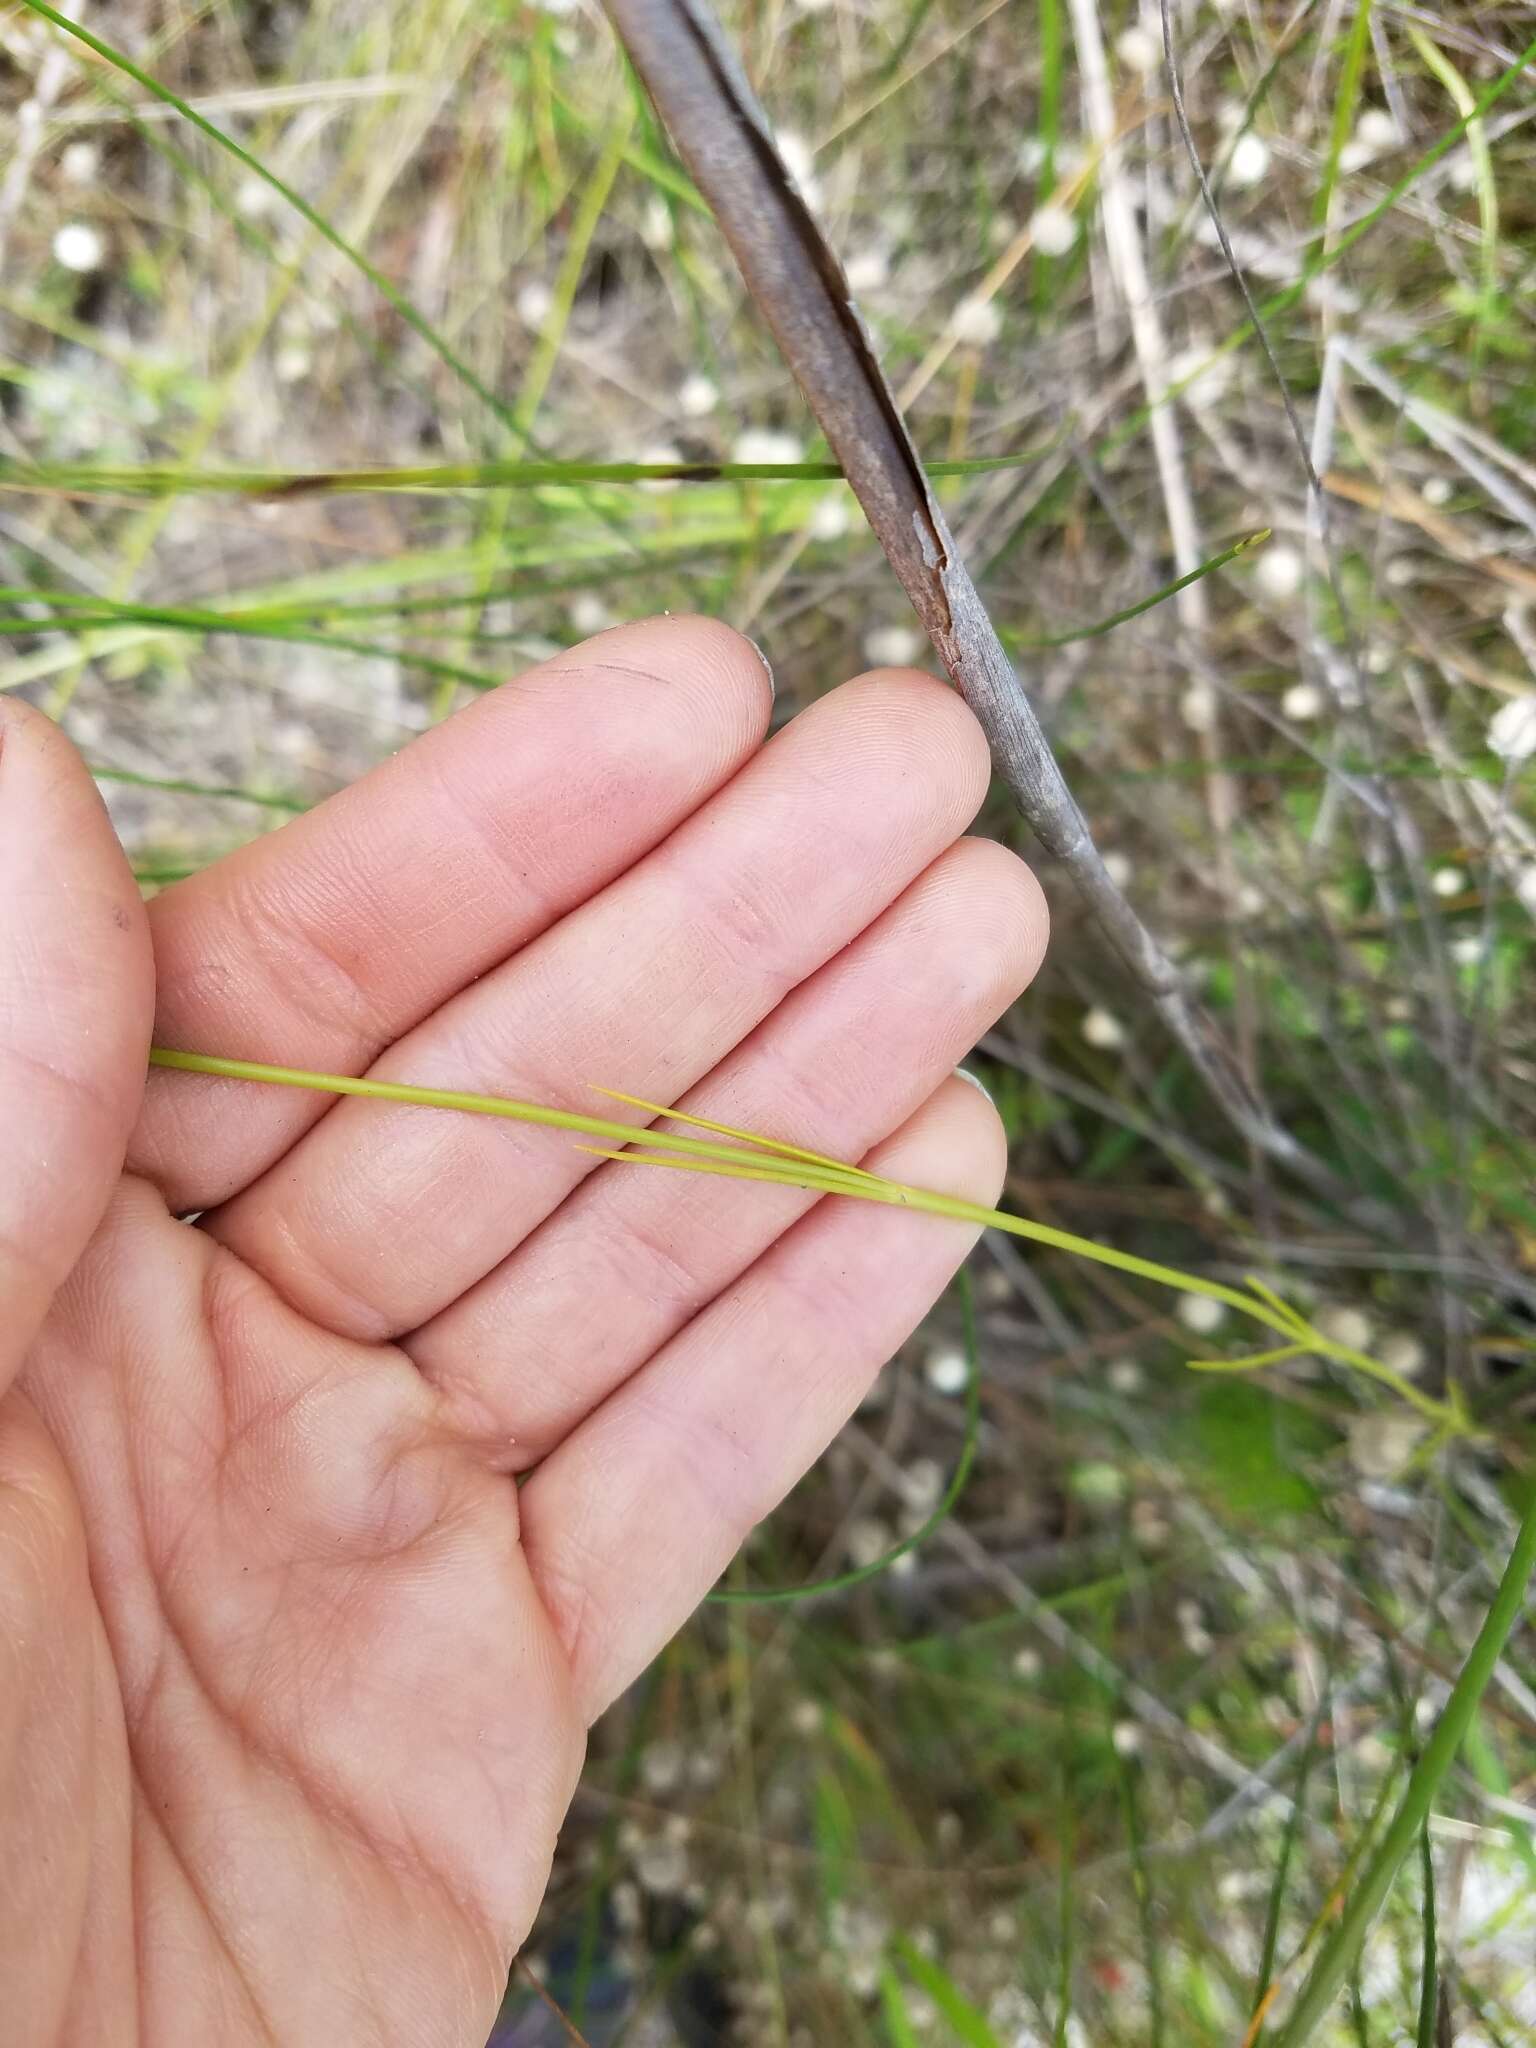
(723, 136)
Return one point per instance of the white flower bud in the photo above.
(1138, 50)
(1279, 571)
(1198, 1313)
(1052, 229)
(867, 270)
(1512, 729)
(1102, 1029)
(1303, 702)
(946, 1369)
(1249, 162)
(1198, 707)
(892, 646)
(696, 396)
(79, 247)
(976, 321)
(533, 303)
(766, 444)
(1343, 1324)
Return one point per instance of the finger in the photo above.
(320, 944)
(636, 1515)
(387, 1213)
(57, 1740)
(75, 996)
(622, 1265)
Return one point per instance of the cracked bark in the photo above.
(723, 136)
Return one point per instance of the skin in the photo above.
(294, 1680)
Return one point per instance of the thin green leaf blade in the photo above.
(966, 2023)
(1368, 1895)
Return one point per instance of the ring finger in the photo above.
(623, 1264)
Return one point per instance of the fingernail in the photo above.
(965, 1074)
(773, 688)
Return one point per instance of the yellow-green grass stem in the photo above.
(446, 1098)
(764, 1159)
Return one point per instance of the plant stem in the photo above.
(1366, 1898)
(726, 142)
(770, 1160)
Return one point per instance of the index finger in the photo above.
(320, 944)
(74, 1012)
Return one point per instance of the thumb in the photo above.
(76, 1004)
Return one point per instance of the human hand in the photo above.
(294, 1680)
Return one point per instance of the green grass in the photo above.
(1346, 106)
(292, 476)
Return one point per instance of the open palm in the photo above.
(294, 1678)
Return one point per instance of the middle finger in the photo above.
(384, 1214)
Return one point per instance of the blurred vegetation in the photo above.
(1107, 1754)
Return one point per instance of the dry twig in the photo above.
(724, 138)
